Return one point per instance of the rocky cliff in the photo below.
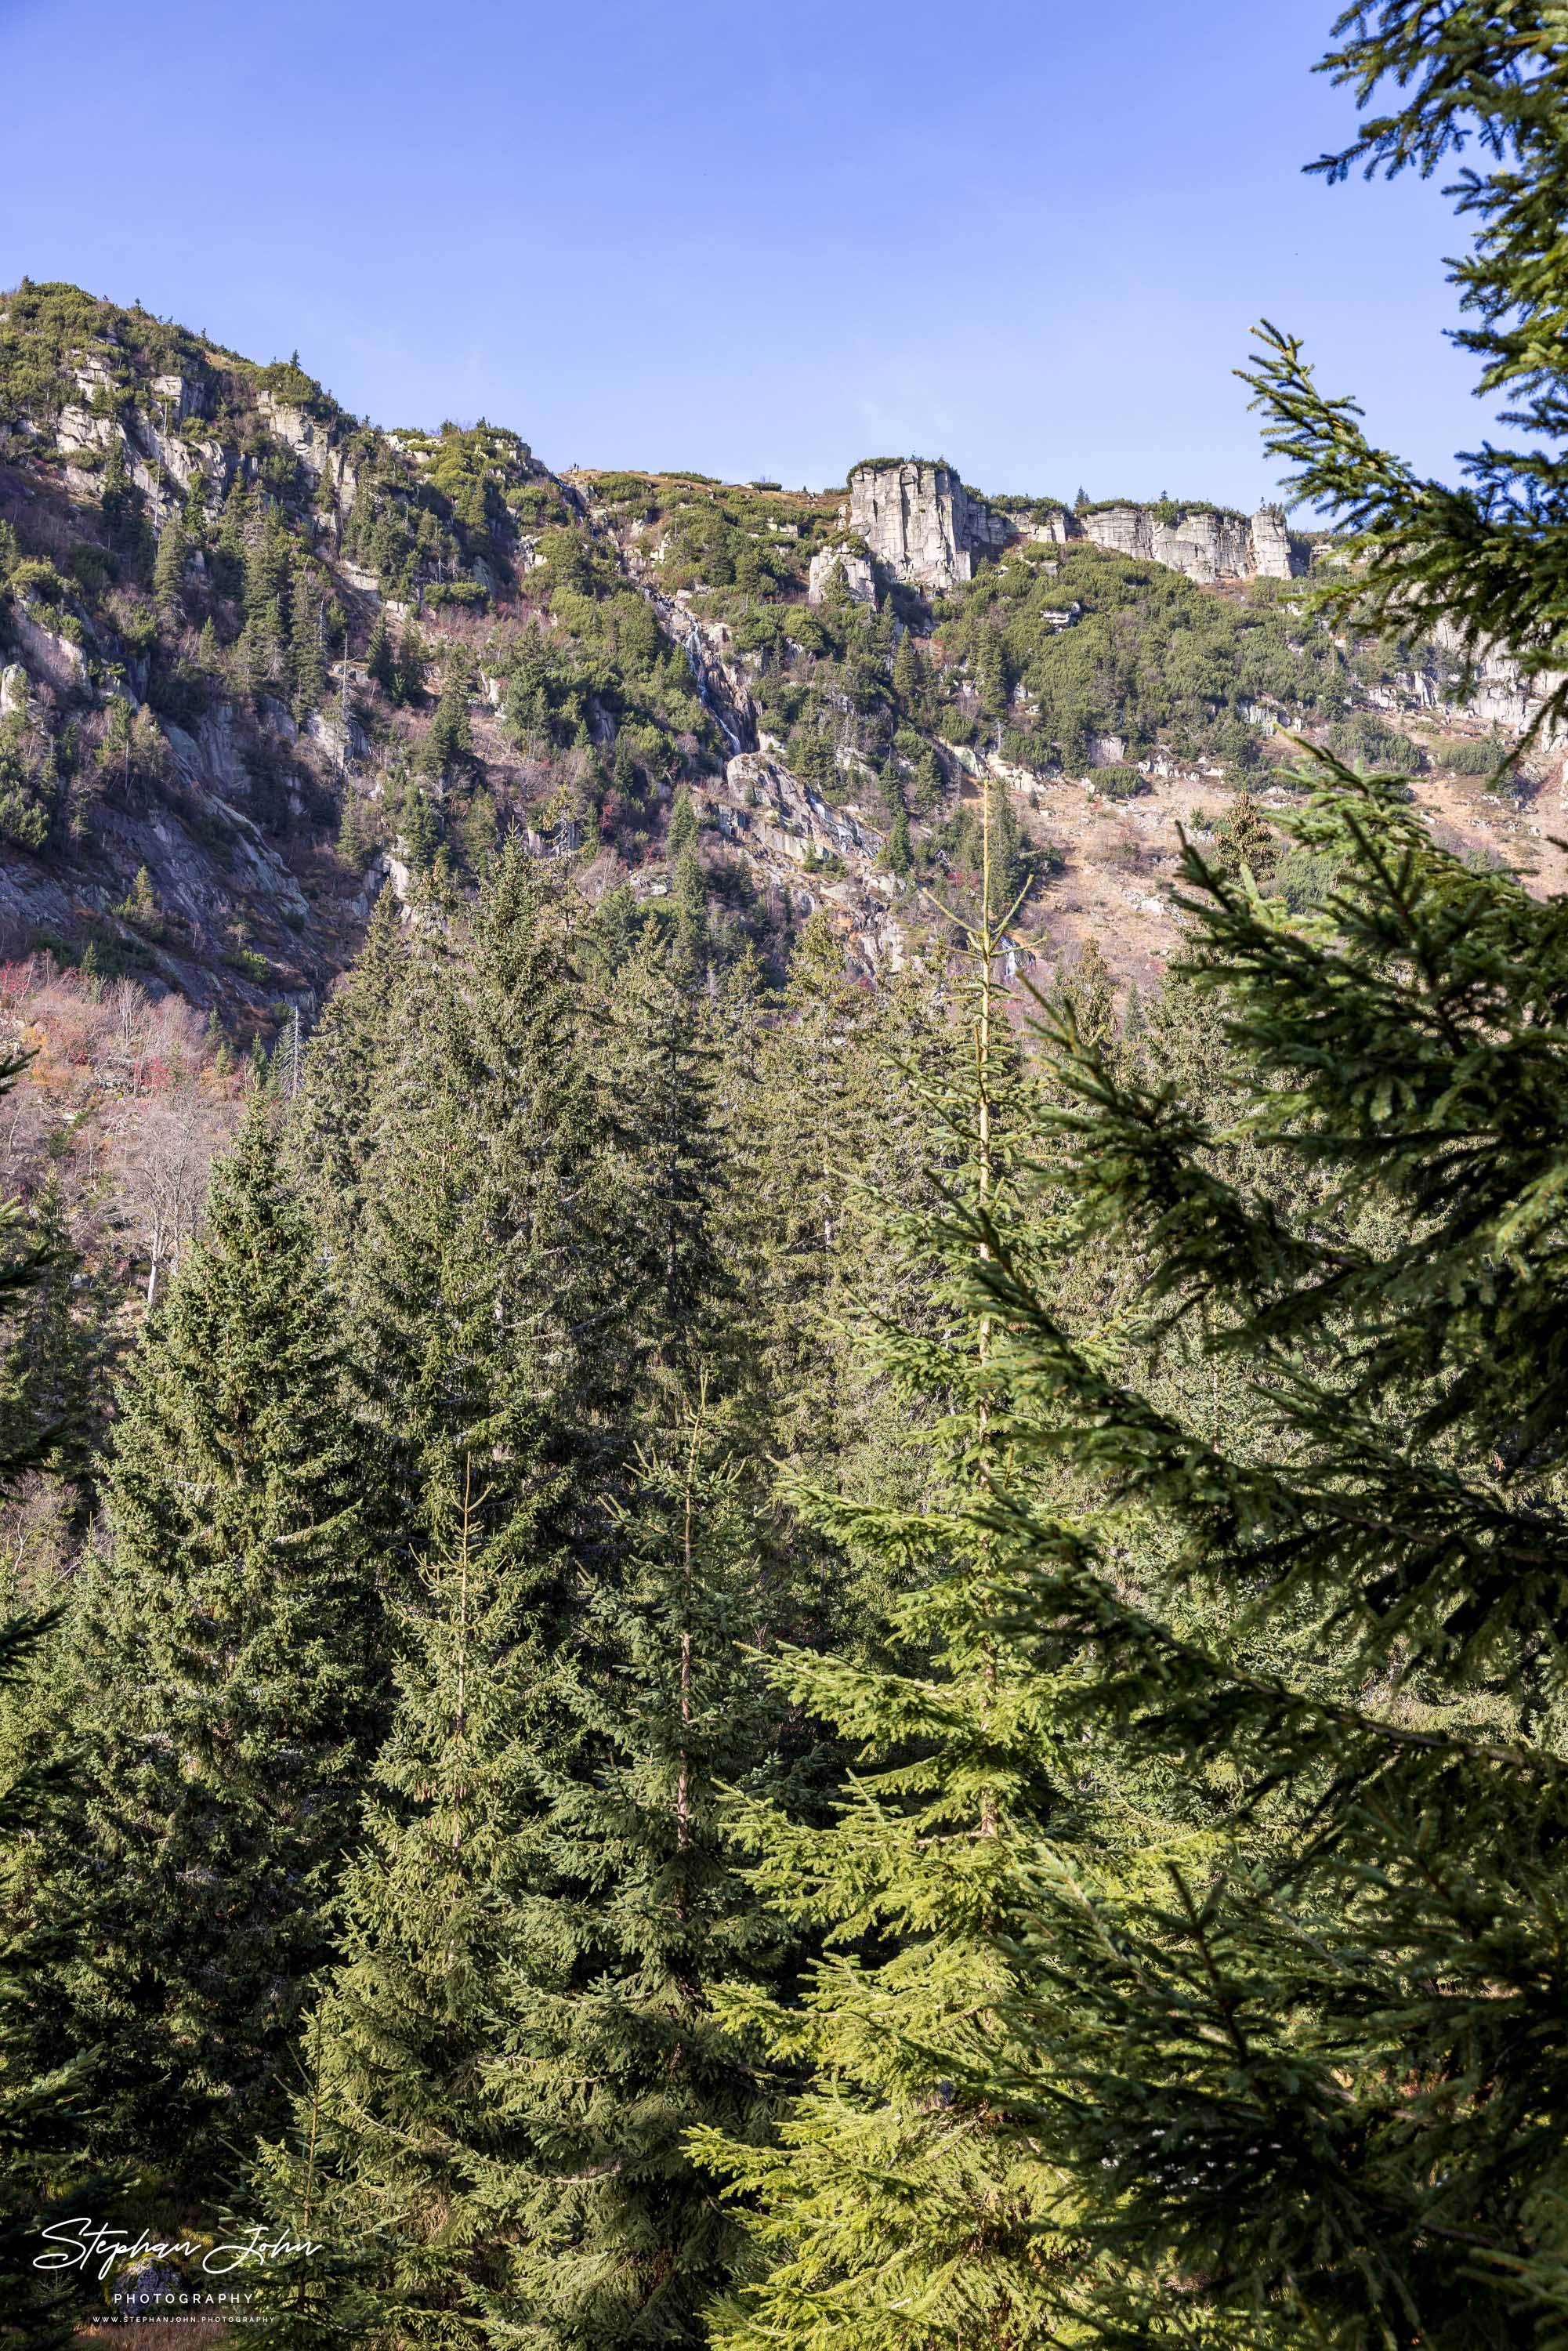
(261, 660)
(1204, 543)
(920, 522)
(924, 527)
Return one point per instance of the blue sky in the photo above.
(751, 236)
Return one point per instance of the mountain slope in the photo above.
(262, 659)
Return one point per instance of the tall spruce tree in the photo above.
(351, 1067)
(485, 1291)
(169, 573)
(688, 890)
(659, 1063)
(228, 1663)
(610, 2052)
(54, 1366)
(307, 640)
(266, 594)
(45, 2152)
(1311, 2081)
(897, 2204)
(46, 2175)
(1316, 2091)
(398, 2136)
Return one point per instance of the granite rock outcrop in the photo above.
(841, 558)
(920, 522)
(924, 527)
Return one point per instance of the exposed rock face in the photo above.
(1505, 695)
(923, 526)
(58, 660)
(1205, 545)
(1275, 555)
(313, 444)
(920, 522)
(720, 682)
(858, 576)
(765, 807)
(181, 395)
(1055, 529)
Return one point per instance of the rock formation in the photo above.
(924, 527)
(1275, 555)
(920, 523)
(858, 576)
(1203, 543)
(1503, 694)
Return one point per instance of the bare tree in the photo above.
(162, 1158)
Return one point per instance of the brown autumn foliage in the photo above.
(128, 1097)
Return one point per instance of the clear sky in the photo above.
(748, 237)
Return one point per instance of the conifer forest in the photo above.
(784, 1364)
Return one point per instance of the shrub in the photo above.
(1118, 782)
(1363, 741)
(39, 582)
(456, 591)
(1463, 755)
(1028, 751)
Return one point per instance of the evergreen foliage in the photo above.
(391, 2161)
(46, 2168)
(895, 2205)
(1483, 557)
(611, 2051)
(227, 1741)
(1312, 2082)
(46, 2164)
(767, 1663)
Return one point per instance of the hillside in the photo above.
(262, 659)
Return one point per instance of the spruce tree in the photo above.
(659, 1058)
(169, 573)
(46, 2174)
(265, 633)
(827, 1117)
(307, 649)
(46, 2170)
(488, 1315)
(688, 891)
(610, 2052)
(485, 1288)
(52, 1372)
(1310, 2080)
(380, 662)
(228, 1655)
(909, 673)
(448, 747)
(45, 1380)
(336, 1119)
(410, 661)
(399, 2139)
(899, 2203)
